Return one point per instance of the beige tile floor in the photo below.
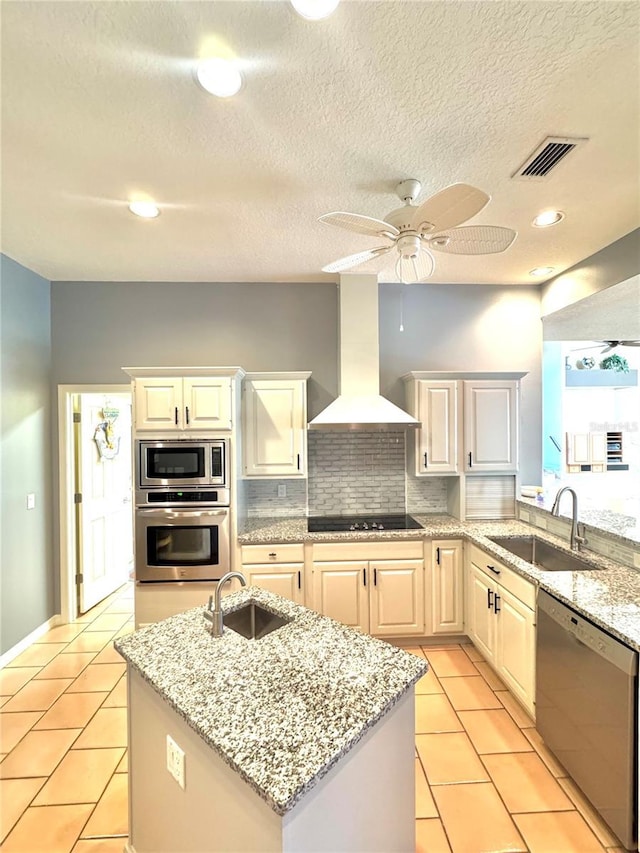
(484, 781)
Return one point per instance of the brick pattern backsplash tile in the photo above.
(262, 499)
(426, 494)
(356, 472)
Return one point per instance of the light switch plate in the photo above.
(31, 501)
(282, 490)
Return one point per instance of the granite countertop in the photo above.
(602, 521)
(609, 596)
(282, 710)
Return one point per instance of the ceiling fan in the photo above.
(413, 231)
(607, 346)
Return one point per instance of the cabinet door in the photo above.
(516, 647)
(285, 579)
(158, 404)
(446, 598)
(438, 436)
(578, 448)
(340, 592)
(598, 448)
(491, 425)
(274, 417)
(207, 403)
(396, 597)
(481, 621)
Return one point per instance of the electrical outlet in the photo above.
(175, 761)
(31, 501)
(282, 490)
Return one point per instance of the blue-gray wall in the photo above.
(27, 578)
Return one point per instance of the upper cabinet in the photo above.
(172, 403)
(435, 445)
(274, 425)
(469, 425)
(490, 425)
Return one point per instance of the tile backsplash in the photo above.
(262, 500)
(356, 472)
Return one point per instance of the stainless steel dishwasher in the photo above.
(586, 710)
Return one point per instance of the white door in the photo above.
(104, 510)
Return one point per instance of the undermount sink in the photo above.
(253, 621)
(542, 554)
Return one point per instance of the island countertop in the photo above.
(282, 710)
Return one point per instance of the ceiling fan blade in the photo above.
(411, 270)
(357, 259)
(628, 343)
(448, 208)
(473, 240)
(360, 224)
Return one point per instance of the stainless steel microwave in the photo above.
(182, 465)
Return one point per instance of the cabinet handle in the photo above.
(494, 570)
(425, 459)
(489, 601)
(298, 461)
(438, 556)
(187, 411)
(470, 460)
(176, 416)
(364, 575)
(375, 577)
(496, 609)
(299, 580)
(273, 554)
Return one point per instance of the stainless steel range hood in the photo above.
(360, 406)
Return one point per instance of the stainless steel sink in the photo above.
(542, 554)
(253, 621)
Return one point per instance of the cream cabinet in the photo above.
(178, 404)
(490, 425)
(500, 620)
(433, 449)
(445, 598)
(375, 587)
(274, 425)
(278, 568)
(586, 448)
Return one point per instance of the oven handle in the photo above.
(176, 513)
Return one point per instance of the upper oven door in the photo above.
(171, 464)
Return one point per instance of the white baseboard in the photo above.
(12, 653)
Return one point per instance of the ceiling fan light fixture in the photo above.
(547, 218)
(314, 10)
(144, 208)
(541, 271)
(219, 77)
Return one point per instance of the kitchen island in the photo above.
(302, 740)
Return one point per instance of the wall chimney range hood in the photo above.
(360, 405)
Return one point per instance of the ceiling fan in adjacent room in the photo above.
(413, 231)
(607, 346)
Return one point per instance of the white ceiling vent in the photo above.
(546, 157)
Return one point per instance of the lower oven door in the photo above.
(182, 545)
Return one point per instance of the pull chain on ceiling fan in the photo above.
(414, 231)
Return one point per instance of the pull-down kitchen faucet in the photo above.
(575, 540)
(213, 614)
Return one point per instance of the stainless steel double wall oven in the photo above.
(182, 510)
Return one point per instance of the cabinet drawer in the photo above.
(523, 589)
(276, 553)
(336, 551)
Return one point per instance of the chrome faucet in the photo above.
(213, 613)
(576, 540)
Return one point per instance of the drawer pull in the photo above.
(494, 570)
(273, 555)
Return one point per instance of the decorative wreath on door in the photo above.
(107, 442)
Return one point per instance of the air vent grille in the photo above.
(546, 157)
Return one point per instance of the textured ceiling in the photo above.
(99, 102)
(613, 312)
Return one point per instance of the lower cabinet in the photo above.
(501, 622)
(277, 568)
(375, 587)
(445, 601)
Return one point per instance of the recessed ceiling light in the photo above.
(314, 10)
(145, 209)
(548, 217)
(542, 271)
(219, 77)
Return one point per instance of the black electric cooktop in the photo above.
(329, 523)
